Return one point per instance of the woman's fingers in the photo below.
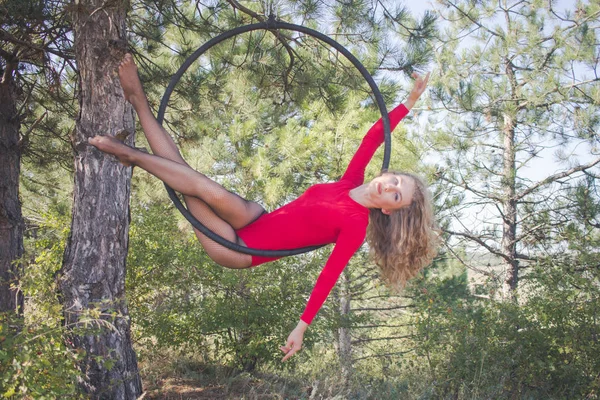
(426, 78)
(289, 351)
(294, 341)
(290, 348)
(420, 83)
(419, 79)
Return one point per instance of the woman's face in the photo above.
(391, 192)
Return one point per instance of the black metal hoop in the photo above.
(271, 24)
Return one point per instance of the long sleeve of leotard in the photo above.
(349, 241)
(372, 140)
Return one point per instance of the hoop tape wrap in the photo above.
(271, 24)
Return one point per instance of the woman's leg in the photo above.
(160, 141)
(192, 184)
(232, 208)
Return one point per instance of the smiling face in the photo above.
(392, 191)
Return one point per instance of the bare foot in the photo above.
(130, 81)
(111, 145)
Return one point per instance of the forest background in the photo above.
(105, 293)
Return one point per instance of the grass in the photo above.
(174, 375)
(169, 376)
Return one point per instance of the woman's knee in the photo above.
(228, 258)
(233, 260)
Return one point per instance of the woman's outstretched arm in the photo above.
(374, 137)
(349, 241)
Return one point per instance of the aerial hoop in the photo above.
(270, 24)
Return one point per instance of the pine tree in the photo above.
(11, 222)
(515, 82)
(34, 49)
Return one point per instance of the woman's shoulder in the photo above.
(356, 222)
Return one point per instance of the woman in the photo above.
(400, 233)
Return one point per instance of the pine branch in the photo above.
(459, 258)
(479, 241)
(25, 136)
(397, 353)
(357, 341)
(246, 10)
(382, 308)
(10, 38)
(6, 55)
(283, 39)
(520, 256)
(529, 105)
(547, 58)
(466, 14)
(555, 177)
(465, 186)
(387, 13)
(381, 326)
(381, 296)
(588, 173)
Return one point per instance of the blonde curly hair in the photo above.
(405, 241)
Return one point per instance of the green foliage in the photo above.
(36, 44)
(36, 362)
(469, 346)
(504, 95)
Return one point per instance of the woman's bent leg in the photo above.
(218, 253)
(185, 180)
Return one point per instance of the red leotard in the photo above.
(323, 214)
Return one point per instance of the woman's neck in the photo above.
(360, 194)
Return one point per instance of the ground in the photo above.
(194, 380)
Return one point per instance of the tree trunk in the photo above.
(11, 221)
(92, 279)
(344, 338)
(509, 219)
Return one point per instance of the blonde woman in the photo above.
(393, 211)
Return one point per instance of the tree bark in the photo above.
(509, 182)
(344, 337)
(509, 232)
(11, 220)
(92, 279)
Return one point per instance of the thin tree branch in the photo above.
(397, 353)
(466, 14)
(553, 178)
(8, 37)
(381, 326)
(382, 308)
(357, 341)
(479, 241)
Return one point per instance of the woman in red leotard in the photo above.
(393, 211)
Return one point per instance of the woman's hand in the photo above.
(417, 91)
(294, 341)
